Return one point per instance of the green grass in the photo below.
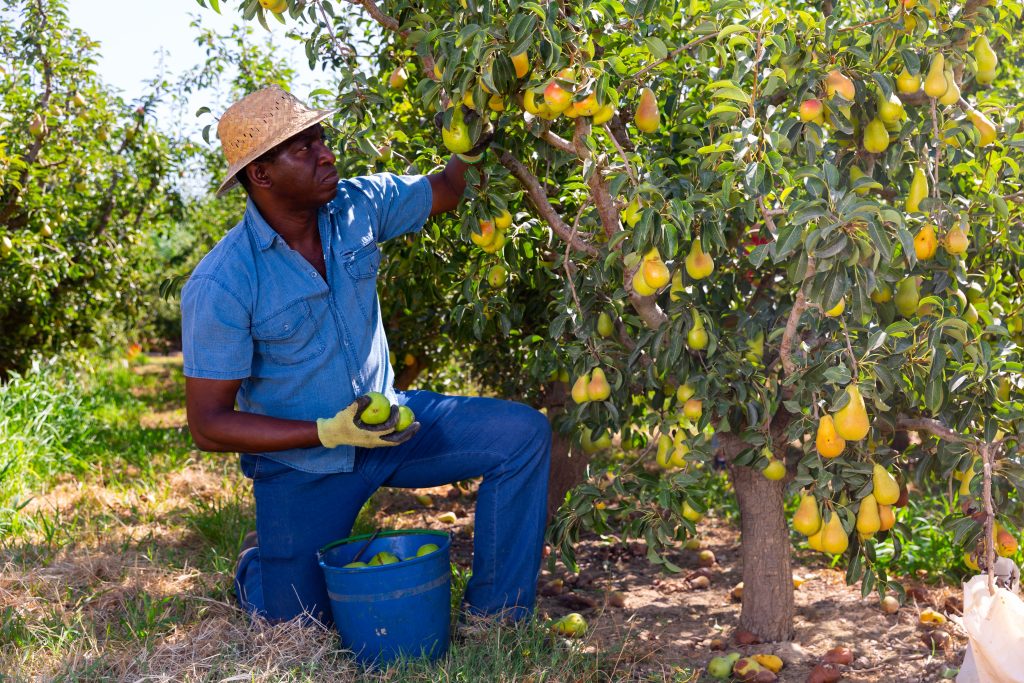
(118, 543)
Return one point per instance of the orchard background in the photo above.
(759, 261)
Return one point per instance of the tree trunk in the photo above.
(764, 550)
(567, 468)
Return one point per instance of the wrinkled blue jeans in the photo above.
(297, 513)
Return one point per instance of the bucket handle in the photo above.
(366, 545)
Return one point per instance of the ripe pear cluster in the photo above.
(493, 233)
(591, 386)
(651, 275)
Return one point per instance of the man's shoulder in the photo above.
(228, 255)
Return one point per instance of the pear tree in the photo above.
(777, 236)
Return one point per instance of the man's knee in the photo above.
(535, 426)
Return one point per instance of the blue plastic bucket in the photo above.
(389, 611)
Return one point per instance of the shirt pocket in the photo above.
(363, 263)
(289, 336)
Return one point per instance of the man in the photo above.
(282, 316)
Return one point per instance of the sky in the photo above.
(143, 37)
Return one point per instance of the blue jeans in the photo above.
(297, 513)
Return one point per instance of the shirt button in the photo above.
(286, 326)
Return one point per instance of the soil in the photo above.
(660, 622)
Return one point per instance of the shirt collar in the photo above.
(260, 228)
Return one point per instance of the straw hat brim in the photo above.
(297, 126)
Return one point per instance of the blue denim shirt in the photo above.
(255, 310)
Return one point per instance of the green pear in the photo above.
(697, 337)
(907, 297)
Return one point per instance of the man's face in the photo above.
(302, 173)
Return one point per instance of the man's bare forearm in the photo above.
(247, 432)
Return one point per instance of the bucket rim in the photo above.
(383, 534)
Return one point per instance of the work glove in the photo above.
(346, 428)
(483, 141)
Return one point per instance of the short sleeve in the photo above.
(401, 202)
(216, 335)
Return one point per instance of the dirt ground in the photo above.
(664, 623)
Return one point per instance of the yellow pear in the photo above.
(827, 441)
(935, 82)
(851, 420)
(698, 264)
(521, 63)
(647, 117)
(685, 392)
(882, 293)
(886, 490)
(656, 273)
(807, 519)
(907, 82)
(834, 539)
(579, 389)
(952, 94)
(697, 337)
(890, 109)
(886, 517)
(984, 55)
(663, 456)
(640, 285)
(836, 310)
(675, 292)
(925, 243)
(774, 470)
(985, 77)
(855, 174)
(691, 514)
(603, 115)
(918, 189)
(986, 129)
(868, 521)
(598, 388)
(956, 241)
(907, 297)
(876, 137)
(814, 540)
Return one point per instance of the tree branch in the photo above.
(799, 305)
(544, 208)
(933, 427)
(377, 15)
(558, 142)
(672, 55)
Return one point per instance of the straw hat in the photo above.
(257, 123)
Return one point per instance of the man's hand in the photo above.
(346, 428)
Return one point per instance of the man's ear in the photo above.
(257, 174)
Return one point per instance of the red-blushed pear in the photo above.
(556, 97)
(579, 389)
(698, 264)
(656, 273)
(647, 117)
(851, 420)
(598, 389)
(812, 111)
(886, 517)
(486, 236)
(497, 276)
(956, 241)
(588, 106)
(521, 63)
(828, 443)
(836, 82)
(398, 78)
(693, 408)
(1005, 542)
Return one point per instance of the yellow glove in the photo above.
(346, 428)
